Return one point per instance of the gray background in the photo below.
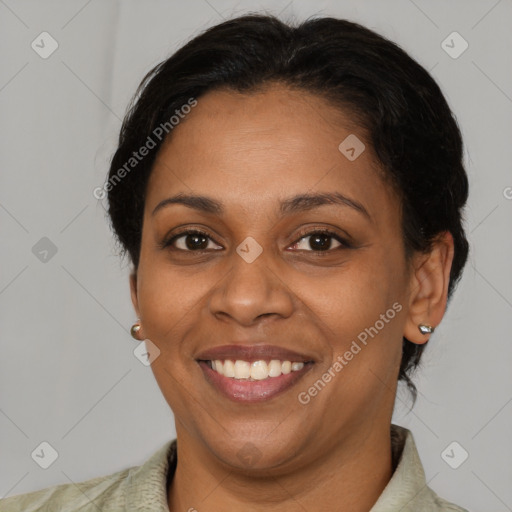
(68, 375)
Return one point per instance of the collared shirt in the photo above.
(144, 488)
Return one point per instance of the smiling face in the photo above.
(309, 293)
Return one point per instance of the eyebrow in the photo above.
(295, 204)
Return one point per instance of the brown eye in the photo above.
(319, 241)
(190, 241)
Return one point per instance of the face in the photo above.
(271, 278)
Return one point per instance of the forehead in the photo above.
(241, 122)
(250, 149)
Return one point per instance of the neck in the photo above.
(351, 477)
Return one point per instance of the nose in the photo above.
(251, 291)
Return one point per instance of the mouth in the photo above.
(252, 373)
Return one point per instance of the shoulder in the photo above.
(408, 490)
(441, 505)
(88, 495)
(138, 486)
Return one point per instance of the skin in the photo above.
(251, 151)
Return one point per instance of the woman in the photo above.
(291, 201)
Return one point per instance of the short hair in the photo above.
(400, 107)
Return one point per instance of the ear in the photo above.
(429, 288)
(133, 292)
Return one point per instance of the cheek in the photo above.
(363, 308)
(172, 302)
(358, 294)
(162, 299)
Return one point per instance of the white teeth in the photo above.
(286, 367)
(242, 369)
(257, 370)
(218, 366)
(229, 368)
(274, 368)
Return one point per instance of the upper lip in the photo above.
(251, 353)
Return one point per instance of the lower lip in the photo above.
(252, 391)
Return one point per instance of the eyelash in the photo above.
(323, 231)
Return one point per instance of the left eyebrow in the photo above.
(294, 204)
(303, 202)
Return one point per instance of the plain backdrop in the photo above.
(68, 375)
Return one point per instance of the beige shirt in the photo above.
(144, 488)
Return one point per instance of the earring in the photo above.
(426, 329)
(134, 331)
